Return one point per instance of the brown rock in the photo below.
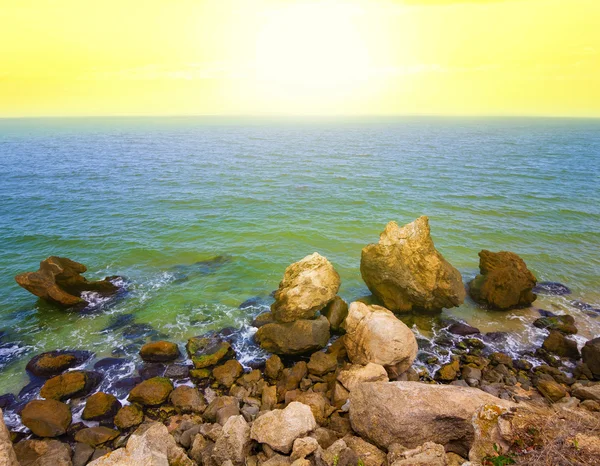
(129, 416)
(551, 389)
(336, 312)
(151, 392)
(95, 436)
(7, 454)
(100, 406)
(228, 373)
(356, 374)
(206, 351)
(46, 418)
(321, 363)
(42, 453)
(187, 399)
(70, 385)
(591, 356)
(448, 372)
(273, 367)
(557, 343)
(159, 351)
(300, 336)
(53, 363)
(368, 453)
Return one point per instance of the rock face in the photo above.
(159, 351)
(59, 281)
(296, 337)
(46, 418)
(307, 286)
(591, 356)
(7, 454)
(51, 363)
(411, 413)
(405, 271)
(280, 427)
(374, 334)
(504, 282)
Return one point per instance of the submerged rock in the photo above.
(307, 286)
(374, 334)
(504, 282)
(59, 281)
(564, 324)
(53, 363)
(206, 351)
(46, 418)
(159, 351)
(405, 271)
(551, 288)
(300, 336)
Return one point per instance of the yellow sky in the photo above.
(171, 57)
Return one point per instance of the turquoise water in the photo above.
(146, 198)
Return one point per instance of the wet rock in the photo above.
(206, 351)
(560, 345)
(280, 427)
(100, 406)
(307, 286)
(551, 288)
(504, 281)
(263, 319)
(7, 454)
(53, 363)
(59, 281)
(129, 416)
(587, 308)
(300, 336)
(188, 399)
(151, 392)
(460, 328)
(405, 271)
(227, 374)
(379, 413)
(159, 351)
(356, 374)
(256, 302)
(551, 390)
(118, 322)
(46, 418)
(448, 372)
(95, 436)
(590, 354)
(374, 334)
(177, 371)
(43, 453)
(8, 401)
(70, 385)
(501, 358)
(152, 369)
(111, 364)
(321, 363)
(234, 443)
(564, 324)
(336, 312)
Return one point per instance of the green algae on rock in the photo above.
(207, 351)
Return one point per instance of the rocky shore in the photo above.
(341, 385)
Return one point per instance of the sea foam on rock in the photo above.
(406, 272)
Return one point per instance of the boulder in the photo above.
(557, 343)
(7, 454)
(234, 443)
(307, 286)
(462, 329)
(46, 418)
(587, 392)
(336, 312)
(273, 367)
(374, 334)
(100, 406)
(551, 389)
(151, 392)
(405, 271)
(95, 436)
(129, 416)
(356, 374)
(300, 336)
(70, 385)
(228, 373)
(369, 454)
(42, 453)
(159, 351)
(321, 363)
(280, 427)
(504, 281)
(591, 356)
(187, 399)
(564, 324)
(206, 351)
(411, 413)
(52, 363)
(59, 281)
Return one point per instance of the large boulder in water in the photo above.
(70, 385)
(53, 363)
(405, 271)
(300, 336)
(307, 286)
(504, 281)
(374, 334)
(59, 281)
(410, 413)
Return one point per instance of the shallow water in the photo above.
(149, 198)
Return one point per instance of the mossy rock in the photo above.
(159, 351)
(129, 416)
(52, 363)
(100, 406)
(564, 324)
(151, 392)
(70, 385)
(95, 436)
(46, 418)
(208, 351)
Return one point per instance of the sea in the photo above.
(200, 216)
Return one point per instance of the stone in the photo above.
(228, 373)
(129, 416)
(405, 271)
(411, 413)
(100, 406)
(151, 392)
(322, 363)
(551, 288)
(95, 436)
(428, 454)
(336, 312)
(82, 454)
(462, 329)
(280, 427)
(52, 363)
(504, 281)
(70, 385)
(356, 374)
(448, 372)
(221, 403)
(318, 403)
(471, 375)
(369, 454)
(262, 319)
(59, 281)
(269, 397)
(187, 399)
(590, 354)
(300, 336)
(159, 351)
(307, 287)
(273, 367)
(46, 418)
(375, 335)
(488, 427)
(234, 444)
(587, 392)
(557, 343)
(564, 324)
(206, 351)
(7, 453)
(303, 447)
(42, 453)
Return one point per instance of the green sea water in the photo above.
(201, 214)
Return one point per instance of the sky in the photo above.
(299, 57)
